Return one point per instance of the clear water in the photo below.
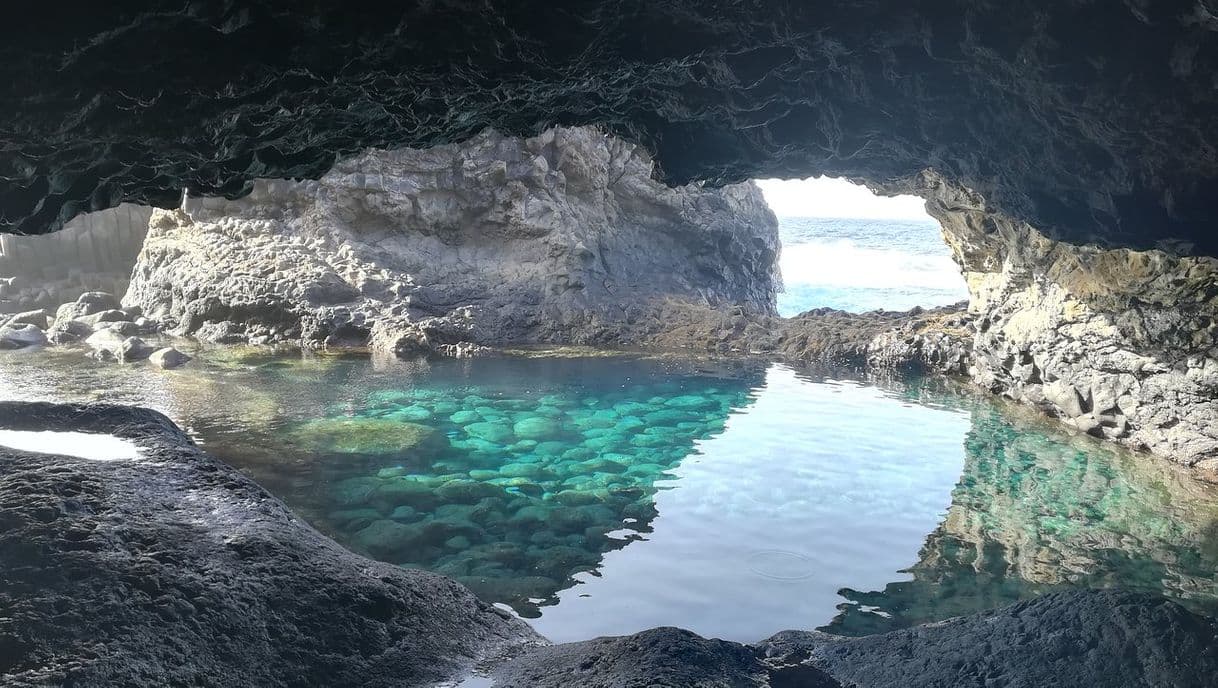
(606, 495)
(862, 265)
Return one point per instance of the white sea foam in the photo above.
(843, 263)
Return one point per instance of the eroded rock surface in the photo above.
(1084, 639)
(935, 340)
(95, 251)
(563, 238)
(173, 569)
(1071, 640)
(1087, 119)
(1119, 343)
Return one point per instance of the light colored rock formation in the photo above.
(1119, 343)
(113, 345)
(560, 238)
(36, 318)
(93, 252)
(168, 358)
(20, 336)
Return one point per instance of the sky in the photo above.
(829, 197)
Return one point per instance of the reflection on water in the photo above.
(85, 445)
(608, 495)
(1034, 511)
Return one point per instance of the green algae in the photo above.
(370, 436)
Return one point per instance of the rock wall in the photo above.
(93, 252)
(565, 237)
(1119, 343)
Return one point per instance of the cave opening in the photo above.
(847, 248)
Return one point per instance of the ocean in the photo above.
(860, 265)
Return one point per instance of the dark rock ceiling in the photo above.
(1095, 120)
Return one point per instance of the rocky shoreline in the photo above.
(132, 570)
(567, 238)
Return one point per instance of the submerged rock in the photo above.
(371, 436)
(186, 572)
(564, 237)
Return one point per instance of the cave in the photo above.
(445, 344)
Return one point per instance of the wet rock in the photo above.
(371, 436)
(354, 519)
(658, 657)
(1085, 639)
(536, 428)
(388, 495)
(491, 432)
(413, 413)
(109, 345)
(168, 358)
(21, 336)
(178, 565)
(386, 538)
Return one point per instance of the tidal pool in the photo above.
(605, 495)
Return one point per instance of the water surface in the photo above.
(861, 265)
(607, 495)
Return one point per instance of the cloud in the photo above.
(829, 197)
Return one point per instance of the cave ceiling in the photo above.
(1093, 120)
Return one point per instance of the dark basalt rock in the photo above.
(1090, 120)
(175, 570)
(1086, 639)
(1079, 639)
(661, 657)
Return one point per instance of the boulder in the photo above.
(124, 327)
(21, 336)
(371, 436)
(36, 318)
(88, 303)
(68, 331)
(109, 345)
(168, 358)
(107, 316)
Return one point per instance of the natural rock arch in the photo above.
(1090, 120)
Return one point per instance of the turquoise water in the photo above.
(861, 265)
(607, 495)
